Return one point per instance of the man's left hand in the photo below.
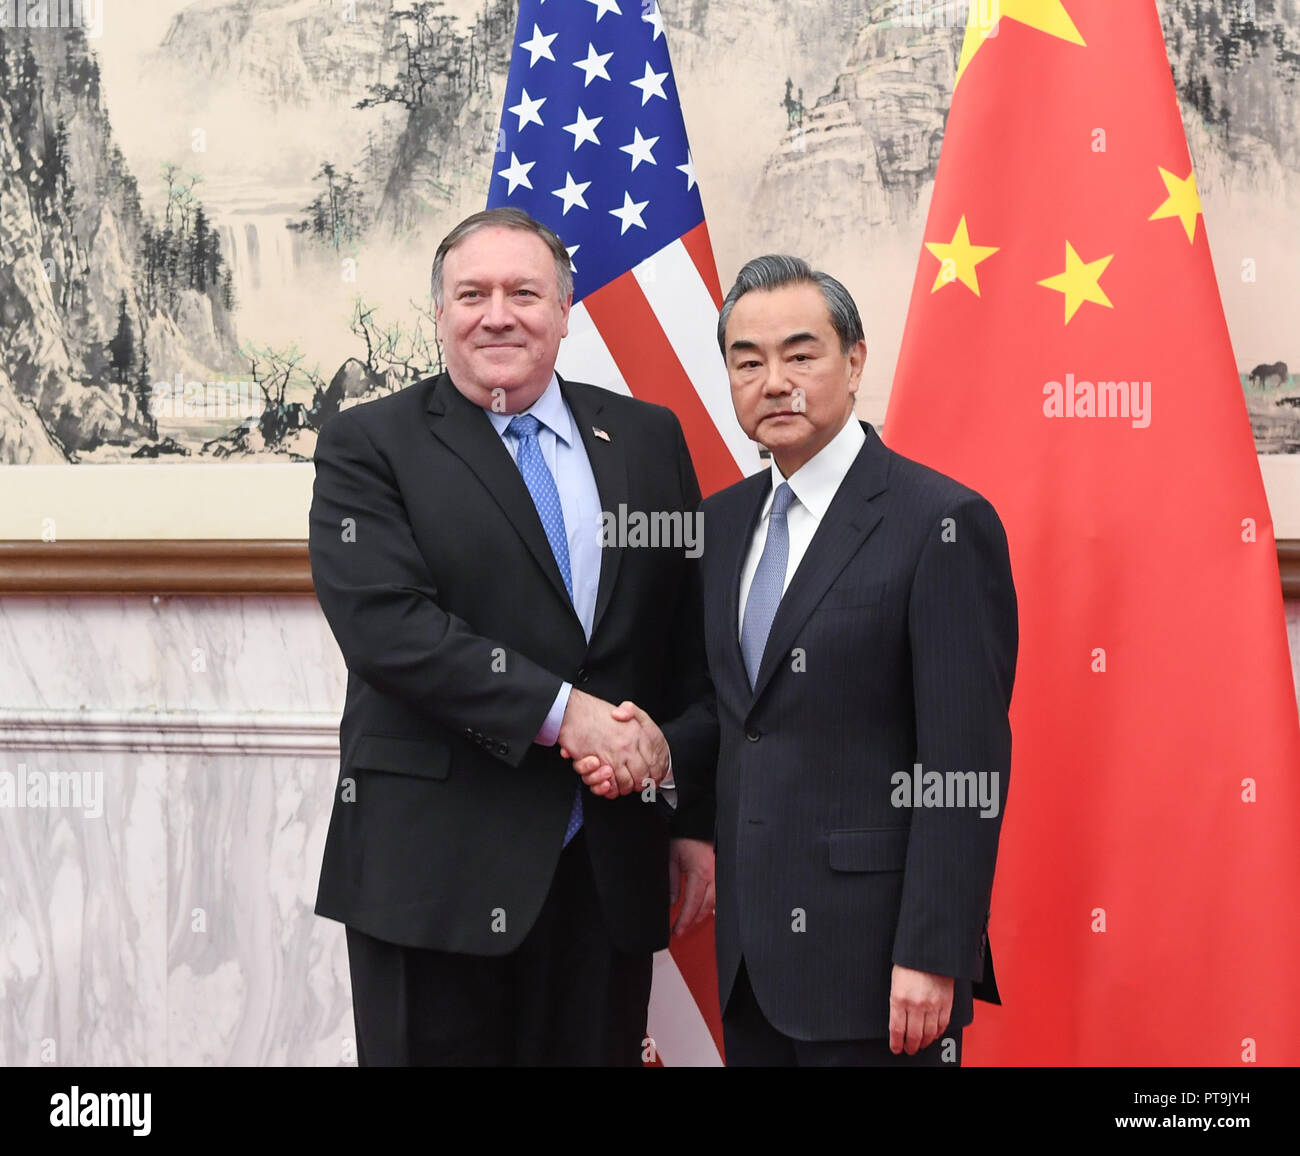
(690, 877)
(920, 1005)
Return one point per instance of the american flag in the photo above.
(593, 143)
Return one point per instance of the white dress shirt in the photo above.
(814, 484)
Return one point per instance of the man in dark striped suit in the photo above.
(861, 632)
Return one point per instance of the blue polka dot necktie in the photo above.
(768, 585)
(546, 497)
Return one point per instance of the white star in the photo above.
(526, 110)
(603, 6)
(689, 169)
(539, 46)
(573, 250)
(651, 84)
(655, 20)
(583, 129)
(630, 213)
(517, 174)
(594, 65)
(571, 194)
(639, 149)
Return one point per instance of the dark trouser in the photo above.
(752, 1042)
(564, 997)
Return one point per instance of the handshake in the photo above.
(616, 749)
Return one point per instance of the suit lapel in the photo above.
(608, 460)
(752, 493)
(465, 430)
(848, 523)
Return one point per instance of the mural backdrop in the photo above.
(217, 216)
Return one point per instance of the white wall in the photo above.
(176, 926)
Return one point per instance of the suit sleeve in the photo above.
(964, 635)
(693, 733)
(378, 596)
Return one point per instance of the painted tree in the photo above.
(337, 214)
(144, 393)
(121, 348)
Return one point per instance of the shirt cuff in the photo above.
(549, 735)
(667, 786)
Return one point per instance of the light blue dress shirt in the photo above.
(566, 458)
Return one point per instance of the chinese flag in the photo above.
(1066, 355)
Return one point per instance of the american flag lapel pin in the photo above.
(600, 433)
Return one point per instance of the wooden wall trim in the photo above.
(221, 566)
(1288, 560)
(218, 566)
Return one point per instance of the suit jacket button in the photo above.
(503, 748)
(583, 676)
(753, 736)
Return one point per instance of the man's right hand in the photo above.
(625, 739)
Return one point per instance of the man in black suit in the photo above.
(861, 633)
(496, 911)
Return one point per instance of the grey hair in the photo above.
(776, 269)
(503, 218)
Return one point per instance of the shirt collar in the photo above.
(549, 409)
(816, 481)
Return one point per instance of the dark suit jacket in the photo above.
(434, 572)
(891, 647)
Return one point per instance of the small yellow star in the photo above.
(1080, 282)
(1184, 202)
(1047, 16)
(958, 258)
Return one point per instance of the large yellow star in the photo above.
(1047, 16)
(1080, 282)
(958, 258)
(1184, 202)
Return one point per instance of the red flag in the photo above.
(1066, 355)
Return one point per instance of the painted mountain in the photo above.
(190, 232)
(217, 218)
(93, 290)
(853, 174)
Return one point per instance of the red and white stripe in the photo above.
(651, 333)
(683, 1020)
